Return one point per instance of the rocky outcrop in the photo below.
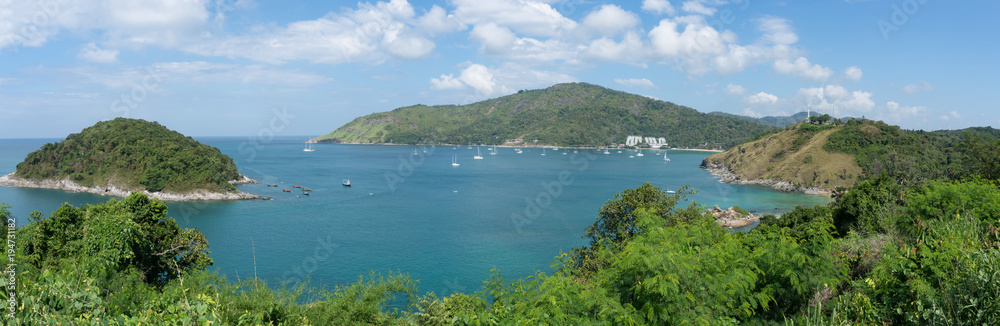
(731, 218)
(727, 176)
(111, 190)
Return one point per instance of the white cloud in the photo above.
(526, 17)
(732, 89)
(488, 82)
(437, 20)
(629, 50)
(373, 33)
(92, 53)
(658, 6)
(751, 113)
(894, 112)
(918, 88)
(637, 82)
(761, 98)
(697, 7)
(801, 67)
(951, 115)
(834, 97)
(493, 38)
(853, 73)
(777, 30)
(610, 20)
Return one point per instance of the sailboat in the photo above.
(309, 147)
(494, 150)
(415, 151)
(606, 152)
(639, 154)
(543, 151)
(665, 157)
(454, 161)
(479, 154)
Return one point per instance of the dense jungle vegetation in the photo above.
(133, 154)
(575, 114)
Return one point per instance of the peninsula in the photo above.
(121, 156)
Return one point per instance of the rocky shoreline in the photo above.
(730, 218)
(65, 184)
(727, 176)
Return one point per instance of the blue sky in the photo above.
(235, 68)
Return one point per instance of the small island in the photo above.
(121, 156)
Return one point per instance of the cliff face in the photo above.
(790, 160)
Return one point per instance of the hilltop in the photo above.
(819, 158)
(124, 155)
(573, 114)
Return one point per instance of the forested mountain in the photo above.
(841, 153)
(133, 154)
(575, 114)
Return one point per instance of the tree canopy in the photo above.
(134, 154)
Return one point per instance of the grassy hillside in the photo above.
(831, 156)
(134, 154)
(574, 114)
(796, 154)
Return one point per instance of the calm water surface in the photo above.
(446, 226)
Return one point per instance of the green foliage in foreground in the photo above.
(573, 114)
(930, 256)
(134, 154)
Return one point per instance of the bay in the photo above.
(445, 226)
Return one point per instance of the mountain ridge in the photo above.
(571, 114)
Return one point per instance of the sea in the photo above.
(409, 210)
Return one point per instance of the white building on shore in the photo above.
(652, 141)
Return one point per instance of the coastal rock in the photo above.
(729, 177)
(111, 190)
(731, 218)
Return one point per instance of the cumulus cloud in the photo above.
(484, 81)
(610, 20)
(493, 38)
(918, 88)
(894, 112)
(437, 20)
(372, 33)
(629, 50)
(637, 82)
(853, 73)
(658, 7)
(761, 98)
(532, 18)
(803, 68)
(697, 7)
(732, 89)
(92, 53)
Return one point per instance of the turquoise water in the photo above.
(446, 226)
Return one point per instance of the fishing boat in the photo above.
(272, 185)
(346, 182)
(518, 150)
(286, 190)
(305, 193)
(454, 161)
(296, 186)
(307, 189)
(479, 154)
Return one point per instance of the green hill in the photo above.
(132, 154)
(831, 156)
(574, 114)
